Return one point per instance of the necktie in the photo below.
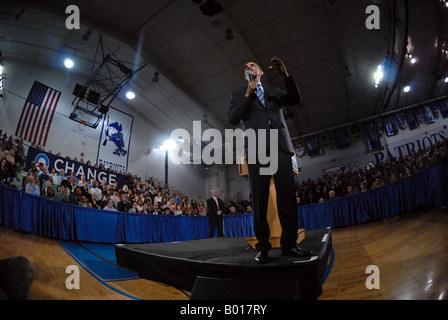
(260, 94)
(217, 205)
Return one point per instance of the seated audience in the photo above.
(133, 209)
(32, 187)
(145, 209)
(178, 211)
(156, 209)
(110, 205)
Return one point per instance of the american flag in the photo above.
(37, 114)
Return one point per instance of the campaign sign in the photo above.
(36, 156)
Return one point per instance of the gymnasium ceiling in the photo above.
(324, 44)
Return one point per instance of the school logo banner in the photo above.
(113, 150)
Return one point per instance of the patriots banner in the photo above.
(113, 149)
(37, 114)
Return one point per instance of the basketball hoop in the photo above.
(82, 126)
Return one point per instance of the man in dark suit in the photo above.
(260, 107)
(215, 212)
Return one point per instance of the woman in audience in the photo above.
(140, 205)
(110, 206)
(201, 207)
(178, 211)
(134, 209)
(145, 209)
(95, 202)
(159, 197)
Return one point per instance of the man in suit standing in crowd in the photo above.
(259, 108)
(215, 213)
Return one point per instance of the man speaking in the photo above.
(260, 108)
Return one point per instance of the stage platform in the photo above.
(202, 266)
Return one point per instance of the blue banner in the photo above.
(113, 149)
(36, 156)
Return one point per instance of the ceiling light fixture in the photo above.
(229, 35)
(86, 35)
(130, 95)
(379, 74)
(156, 77)
(68, 63)
(169, 145)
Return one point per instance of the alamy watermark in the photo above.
(262, 147)
(73, 280)
(373, 280)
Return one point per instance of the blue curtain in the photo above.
(58, 220)
(424, 190)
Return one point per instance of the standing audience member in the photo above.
(215, 213)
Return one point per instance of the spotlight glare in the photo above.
(169, 145)
(446, 79)
(68, 63)
(130, 95)
(407, 89)
(379, 74)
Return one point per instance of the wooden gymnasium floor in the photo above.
(411, 252)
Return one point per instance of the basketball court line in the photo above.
(91, 257)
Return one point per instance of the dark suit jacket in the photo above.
(212, 209)
(255, 116)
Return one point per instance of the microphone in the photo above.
(250, 75)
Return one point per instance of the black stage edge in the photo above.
(230, 260)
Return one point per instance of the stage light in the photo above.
(407, 89)
(68, 63)
(446, 80)
(130, 95)
(413, 60)
(379, 74)
(169, 145)
(229, 35)
(156, 77)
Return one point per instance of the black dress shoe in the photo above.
(296, 251)
(262, 257)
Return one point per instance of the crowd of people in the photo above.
(11, 157)
(150, 197)
(373, 176)
(135, 196)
